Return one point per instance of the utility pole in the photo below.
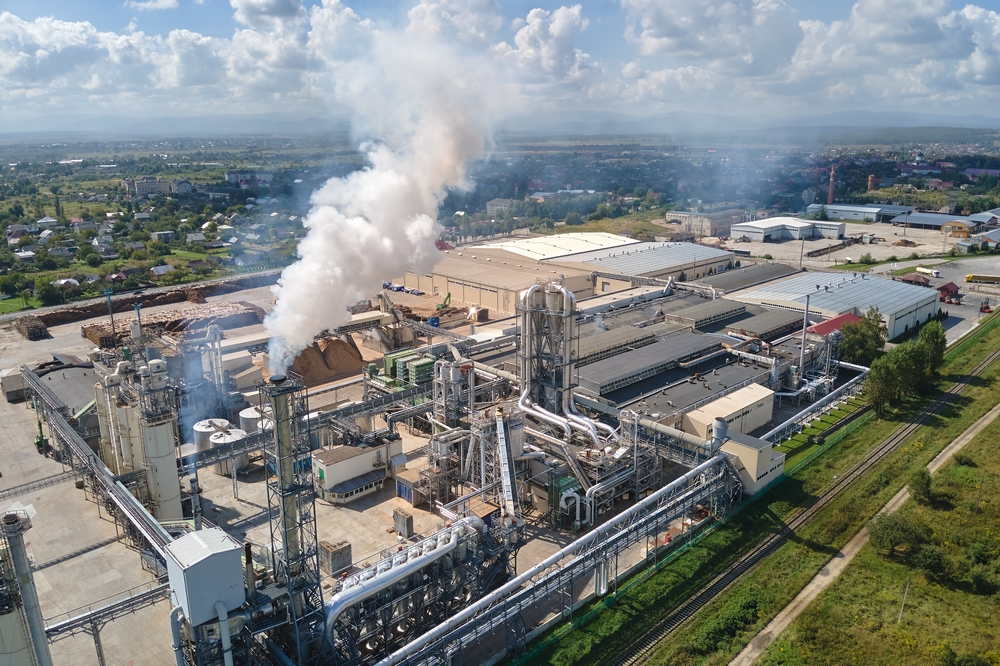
(905, 592)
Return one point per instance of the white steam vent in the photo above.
(424, 114)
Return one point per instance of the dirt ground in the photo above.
(927, 240)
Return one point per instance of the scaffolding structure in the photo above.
(292, 518)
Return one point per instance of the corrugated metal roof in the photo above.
(196, 546)
(559, 245)
(622, 366)
(933, 219)
(649, 258)
(741, 278)
(844, 294)
(774, 223)
(358, 482)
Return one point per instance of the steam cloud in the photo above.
(424, 114)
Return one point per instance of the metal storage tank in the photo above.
(203, 430)
(250, 419)
(224, 468)
(14, 647)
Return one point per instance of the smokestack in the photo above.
(14, 527)
(829, 193)
(871, 182)
(280, 392)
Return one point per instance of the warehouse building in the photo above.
(860, 212)
(747, 276)
(903, 306)
(681, 261)
(952, 225)
(558, 245)
(773, 229)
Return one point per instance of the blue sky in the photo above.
(762, 57)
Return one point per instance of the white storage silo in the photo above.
(224, 468)
(203, 430)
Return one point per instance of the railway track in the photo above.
(642, 648)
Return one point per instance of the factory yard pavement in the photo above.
(841, 559)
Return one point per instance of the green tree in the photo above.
(920, 486)
(879, 389)
(94, 260)
(889, 531)
(933, 338)
(863, 340)
(573, 219)
(49, 294)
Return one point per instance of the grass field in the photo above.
(724, 627)
(949, 617)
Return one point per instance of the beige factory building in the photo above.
(344, 473)
(493, 275)
(757, 462)
(745, 410)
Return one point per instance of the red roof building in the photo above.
(950, 288)
(827, 327)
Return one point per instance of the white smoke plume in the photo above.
(423, 112)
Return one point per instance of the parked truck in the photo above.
(986, 279)
(933, 272)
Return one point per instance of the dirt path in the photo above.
(839, 562)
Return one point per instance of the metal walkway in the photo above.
(32, 486)
(87, 618)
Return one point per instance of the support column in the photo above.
(14, 527)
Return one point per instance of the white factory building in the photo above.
(773, 229)
(344, 473)
(903, 306)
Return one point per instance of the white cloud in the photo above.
(151, 5)
(468, 21)
(267, 13)
(746, 36)
(545, 47)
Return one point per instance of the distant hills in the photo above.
(574, 123)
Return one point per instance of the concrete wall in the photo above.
(897, 322)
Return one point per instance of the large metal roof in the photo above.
(933, 219)
(648, 258)
(559, 245)
(837, 293)
(741, 278)
(617, 371)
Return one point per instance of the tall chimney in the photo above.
(871, 182)
(829, 193)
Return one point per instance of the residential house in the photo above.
(165, 236)
(101, 241)
(44, 237)
(196, 237)
(61, 252)
(25, 256)
(47, 222)
(106, 252)
(142, 217)
(14, 236)
(92, 278)
(181, 186)
(156, 272)
(132, 272)
(248, 259)
(78, 225)
(135, 245)
(106, 228)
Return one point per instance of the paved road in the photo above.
(839, 562)
(151, 291)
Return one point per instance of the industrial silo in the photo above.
(224, 467)
(203, 431)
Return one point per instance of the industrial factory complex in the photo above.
(595, 403)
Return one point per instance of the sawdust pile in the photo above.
(325, 361)
(906, 242)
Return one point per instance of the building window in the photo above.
(605, 286)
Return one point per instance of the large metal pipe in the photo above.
(419, 556)
(486, 602)
(14, 526)
(566, 454)
(176, 615)
(227, 641)
(649, 424)
(805, 325)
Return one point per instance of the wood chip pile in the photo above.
(187, 321)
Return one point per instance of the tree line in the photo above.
(905, 370)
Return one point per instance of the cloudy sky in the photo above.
(153, 58)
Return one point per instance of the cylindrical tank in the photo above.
(164, 484)
(203, 430)
(224, 468)
(249, 419)
(14, 647)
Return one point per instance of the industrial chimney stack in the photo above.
(829, 194)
